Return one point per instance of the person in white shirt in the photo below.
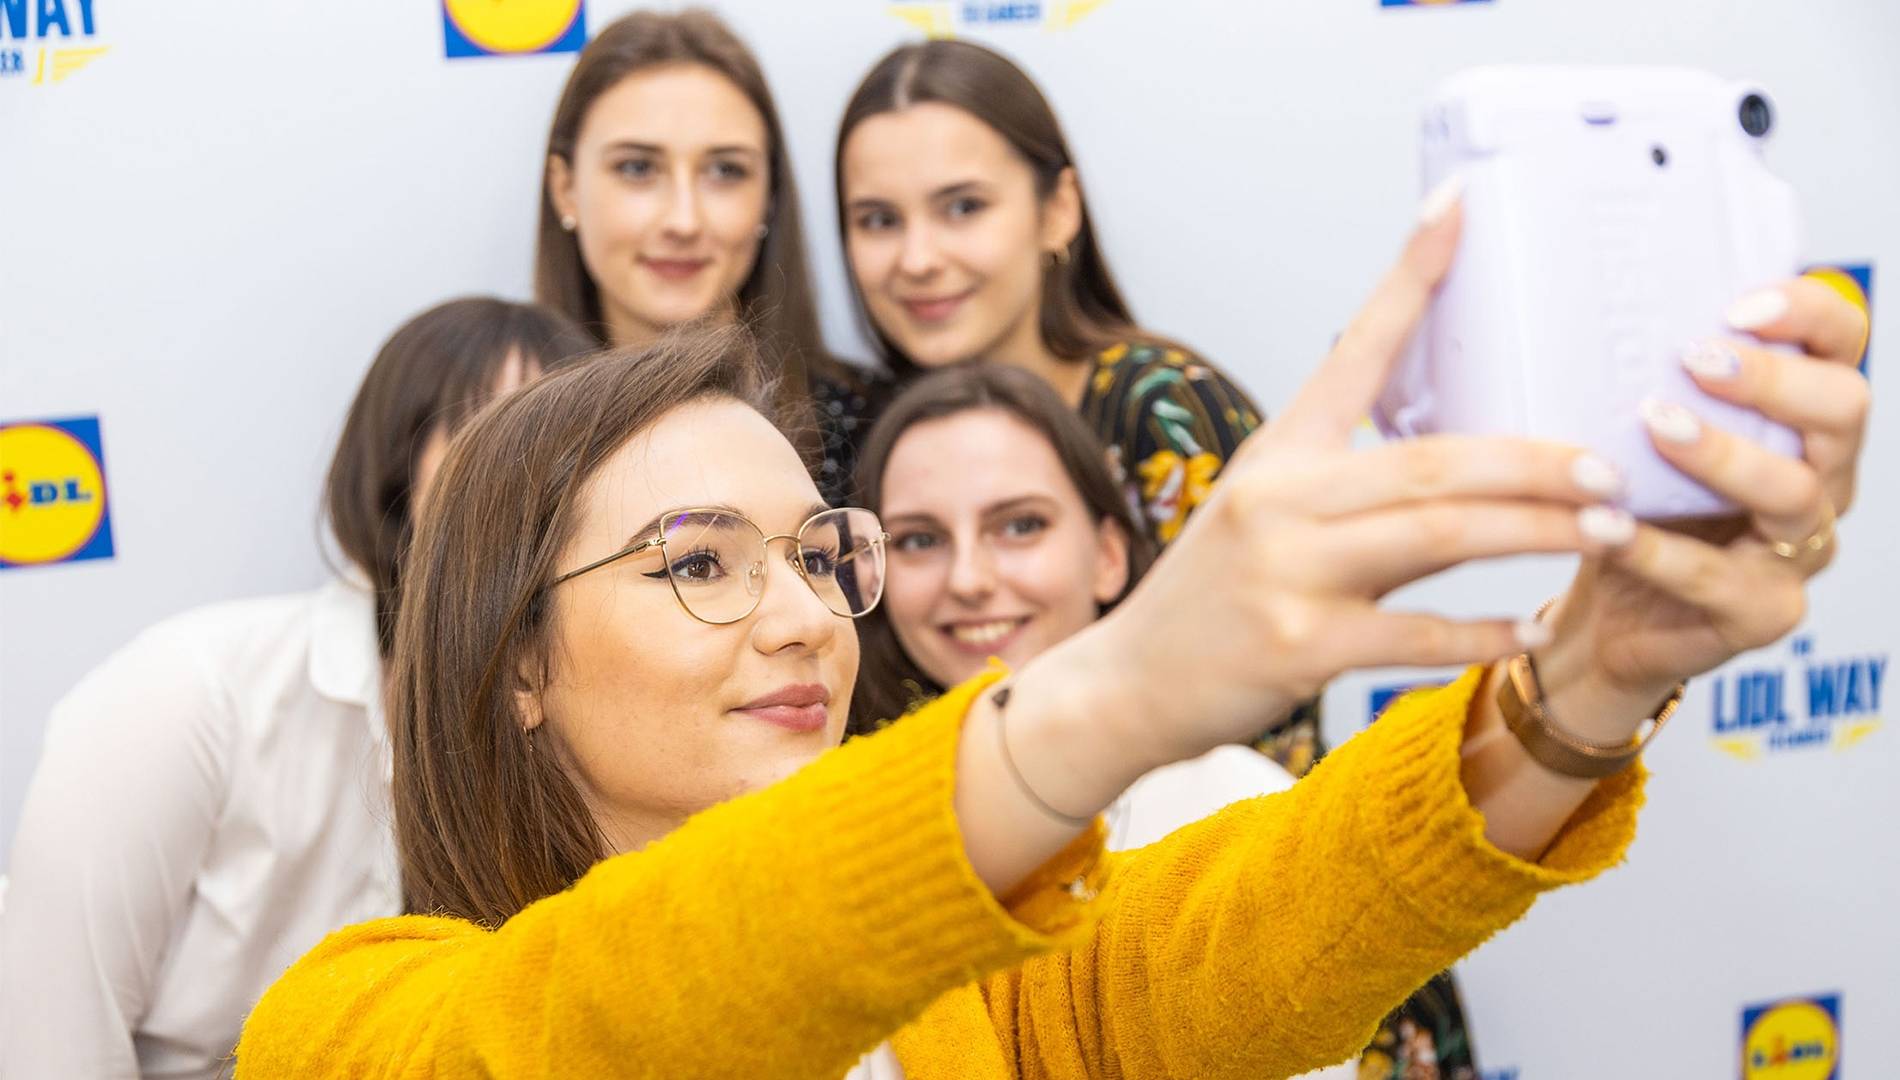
(214, 797)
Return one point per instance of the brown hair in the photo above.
(889, 681)
(434, 371)
(486, 824)
(775, 301)
(1082, 310)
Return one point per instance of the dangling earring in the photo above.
(568, 222)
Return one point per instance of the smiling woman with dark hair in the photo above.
(631, 845)
(214, 796)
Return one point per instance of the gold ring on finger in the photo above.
(1814, 543)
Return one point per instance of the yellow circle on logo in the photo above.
(52, 494)
(1841, 282)
(513, 26)
(1792, 1041)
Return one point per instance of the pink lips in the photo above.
(675, 269)
(799, 707)
(934, 310)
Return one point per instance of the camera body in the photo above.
(1611, 214)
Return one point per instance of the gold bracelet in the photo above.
(1001, 698)
(1521, 700)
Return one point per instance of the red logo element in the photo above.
(13, 498)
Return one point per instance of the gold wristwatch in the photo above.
(1521, 700)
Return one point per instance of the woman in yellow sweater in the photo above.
(612, 712)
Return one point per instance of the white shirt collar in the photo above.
(344, 664)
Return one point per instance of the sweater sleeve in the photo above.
(1260, 941)
(784, 933)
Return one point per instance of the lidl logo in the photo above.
(1856, 282)
(1796, 1039)
(52, 493)
(1812, 702)
(1428, 3)
(47, 41)
(512, 27)
(943, 18)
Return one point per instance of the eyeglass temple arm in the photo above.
(615, 557)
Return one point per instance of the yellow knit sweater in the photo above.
(788, 932)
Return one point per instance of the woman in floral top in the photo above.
(968, 240)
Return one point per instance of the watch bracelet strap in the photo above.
(1520, 700)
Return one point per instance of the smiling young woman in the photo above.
(669, 198)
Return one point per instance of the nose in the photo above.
(919, 257)
(790, 615)
(683, 218)
(972, 573)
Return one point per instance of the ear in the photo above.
(561, 186)
(527, 700)
(1111, 561)
(1062, 212)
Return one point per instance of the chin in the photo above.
(935, 351)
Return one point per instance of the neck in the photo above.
(625, 831)
(625, 329)
(1024, 348)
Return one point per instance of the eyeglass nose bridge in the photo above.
(755, 574)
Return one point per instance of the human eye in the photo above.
(964, 206)
(701, 567)
(914, 543)
(819, 561)
(1024, 526)
(726, 170)
(636, 168)
(877, 220)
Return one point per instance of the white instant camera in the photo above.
(1611, 214)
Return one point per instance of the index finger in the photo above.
(1341, 392)
(1809, 313)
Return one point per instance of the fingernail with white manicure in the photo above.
(1441, 200)
(1671, 423)
(1531, 634)
(1606, 525)
(1596, 476)
(1712, 360)
(1757, 309)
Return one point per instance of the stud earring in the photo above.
(568, 222)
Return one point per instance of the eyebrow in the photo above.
(653, 523)
(961, 187)
(1018, 502)
(656, 148)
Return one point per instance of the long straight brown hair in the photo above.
(433, 372)
(486, 822)
(775, 302)
(889, 681)
(1082, 308)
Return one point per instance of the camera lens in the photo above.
(1658, 155)
(1756, 116)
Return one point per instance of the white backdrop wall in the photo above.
(207, 229)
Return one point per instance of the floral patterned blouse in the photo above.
(846, 402)
(1170, 420)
